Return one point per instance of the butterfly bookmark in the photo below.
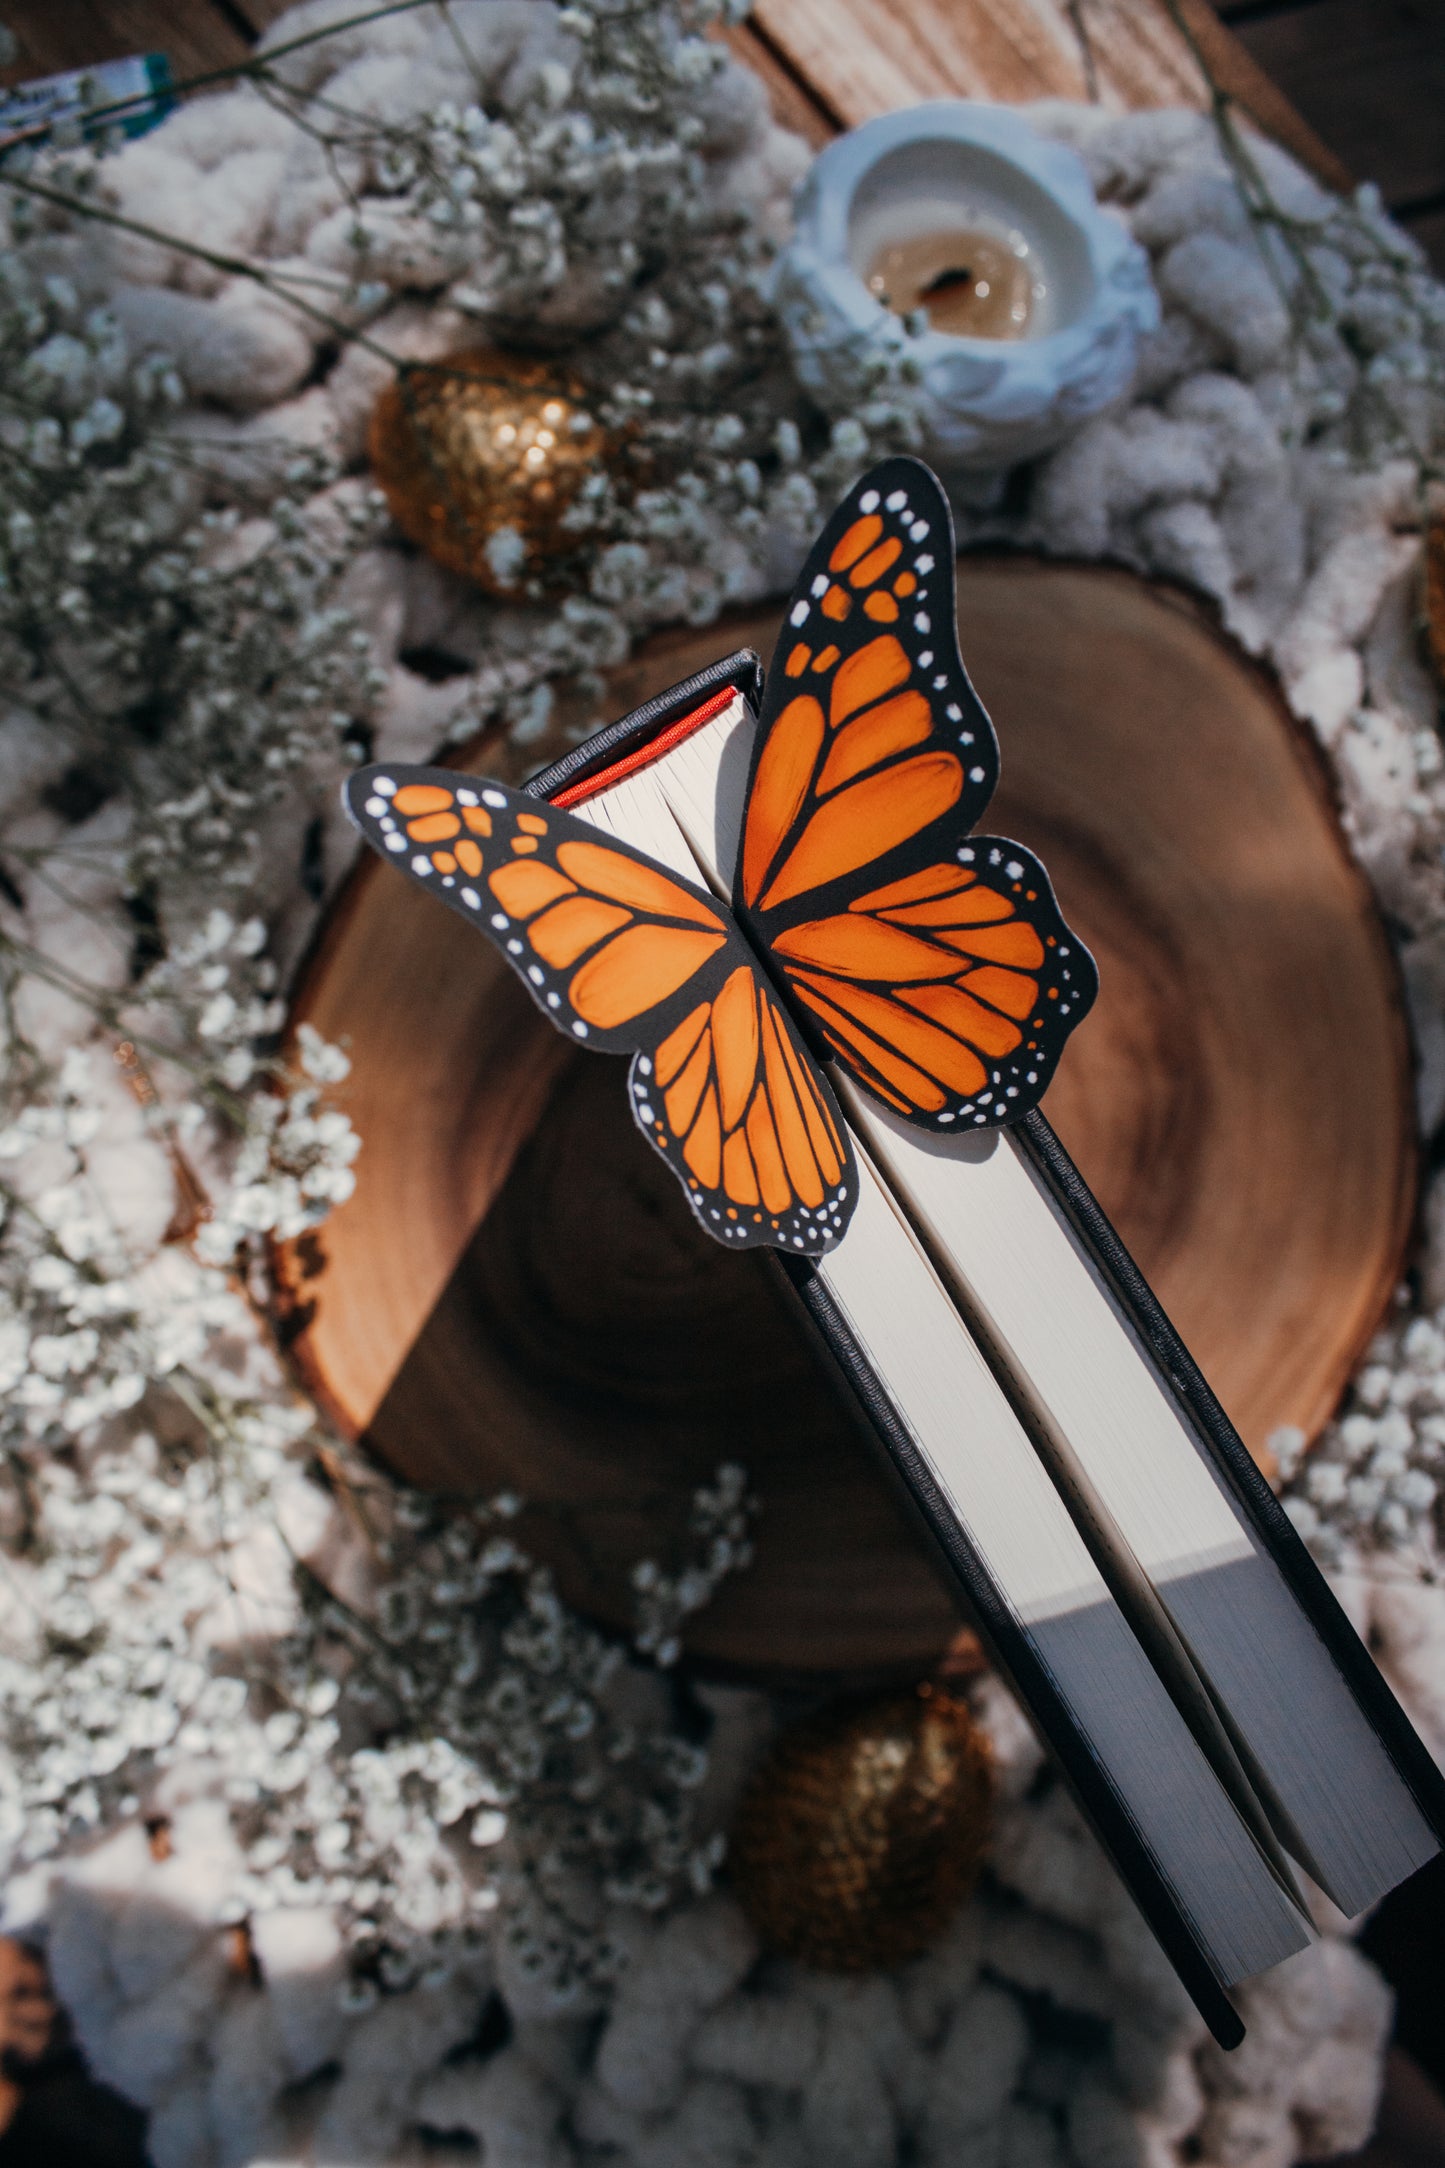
(867, 925)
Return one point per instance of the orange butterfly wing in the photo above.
(935, 965)
(625, 957)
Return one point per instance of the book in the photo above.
(1221, 1725)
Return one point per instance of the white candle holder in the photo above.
(1035, 327)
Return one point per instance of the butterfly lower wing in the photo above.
(736, 1106)
(625, 957)
(950, 990)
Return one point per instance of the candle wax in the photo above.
(971, 282)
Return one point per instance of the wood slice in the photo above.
(516, 1295)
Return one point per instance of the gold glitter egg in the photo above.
(863, 1830)
(478, 443)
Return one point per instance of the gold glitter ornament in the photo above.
(861, 1833)
(479, 455)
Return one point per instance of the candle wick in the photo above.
(945, 281)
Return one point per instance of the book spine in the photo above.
(742, 672)
(1017, 1659)
(1236, 1466)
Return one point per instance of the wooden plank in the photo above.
(195, 37)
(795, 103)
(1370, 76)
(864, 57)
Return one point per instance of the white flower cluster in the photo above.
(217, 991)
(553, 158)
(512, 1756)
(145, 629)
(718, 1525)
(451, 1741)
(1374, 1478)
(103, 1665)
(294, 1162)
(84, 1326)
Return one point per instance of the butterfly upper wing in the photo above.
(626, 957)
(935, 964)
